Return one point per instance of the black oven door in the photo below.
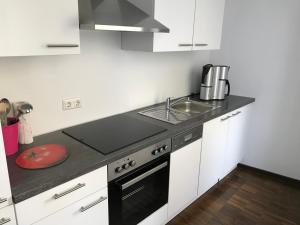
(138, 194)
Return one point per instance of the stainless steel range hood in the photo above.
(117, 15)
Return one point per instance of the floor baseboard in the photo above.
(284, 179)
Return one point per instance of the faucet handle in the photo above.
(168, 103)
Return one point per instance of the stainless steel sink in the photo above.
(192, 107)
(179, 111)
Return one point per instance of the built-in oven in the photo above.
(140, 184)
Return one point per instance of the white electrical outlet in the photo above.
(71, 103)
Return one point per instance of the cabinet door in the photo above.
(60, 196)
(213, 150)
(92, 210)
(28, 27)
(208, 24)
(178, 16)
(7, 216)
(5, 193)
(236, 135)
(184, 175)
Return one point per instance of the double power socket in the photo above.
(71, 103)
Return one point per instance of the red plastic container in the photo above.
(10, 136)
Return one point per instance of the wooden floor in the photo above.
(246, 197)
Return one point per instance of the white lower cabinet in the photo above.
(7, 216)
(59, 198)
(236, 133)
(5, 193)
(92, 210)
(184, 174)
(213, 151)
(222, 147)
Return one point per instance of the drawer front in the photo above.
(49, 202)
(7, 216)
(92, 210)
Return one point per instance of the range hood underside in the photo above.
(116, 15)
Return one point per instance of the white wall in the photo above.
(107, 79)
(261, 43)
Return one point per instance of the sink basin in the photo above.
(192, 107)
(182, 110)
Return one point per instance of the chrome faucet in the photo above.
(169, 104)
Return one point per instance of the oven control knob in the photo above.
(155, 152)
(132, 163)
(161, 149)
(125, 166)
(165, 147)
(118, 169)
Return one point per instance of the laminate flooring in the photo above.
(246, 197)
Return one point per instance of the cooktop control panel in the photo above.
(133, 161)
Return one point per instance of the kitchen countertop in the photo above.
(83, 159)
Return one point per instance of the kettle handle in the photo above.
(206, 69)
(228, 85)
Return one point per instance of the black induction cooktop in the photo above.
(113, 133)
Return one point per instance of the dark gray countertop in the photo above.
(82, 159)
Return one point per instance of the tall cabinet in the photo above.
(7, 213)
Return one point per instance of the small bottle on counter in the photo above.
(25, 131)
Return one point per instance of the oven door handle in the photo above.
(144, 175)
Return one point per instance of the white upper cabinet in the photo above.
(178, 16)
(36, 27)
(193, 24)
(5, 193)
(208, 24)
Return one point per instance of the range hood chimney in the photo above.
(117, 15)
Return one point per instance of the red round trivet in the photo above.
(43, 156)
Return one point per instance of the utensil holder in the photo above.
(10, 136)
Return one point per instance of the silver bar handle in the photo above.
(237, 113)
(226, 118)
(84, 208)
(185, 45)
(78, 186)
(2, 200)
(144, 175)
(4, 221)
(62, 45)
(201, 45)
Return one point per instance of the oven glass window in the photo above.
(138, 195)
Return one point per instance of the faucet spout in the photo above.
(169, 104)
